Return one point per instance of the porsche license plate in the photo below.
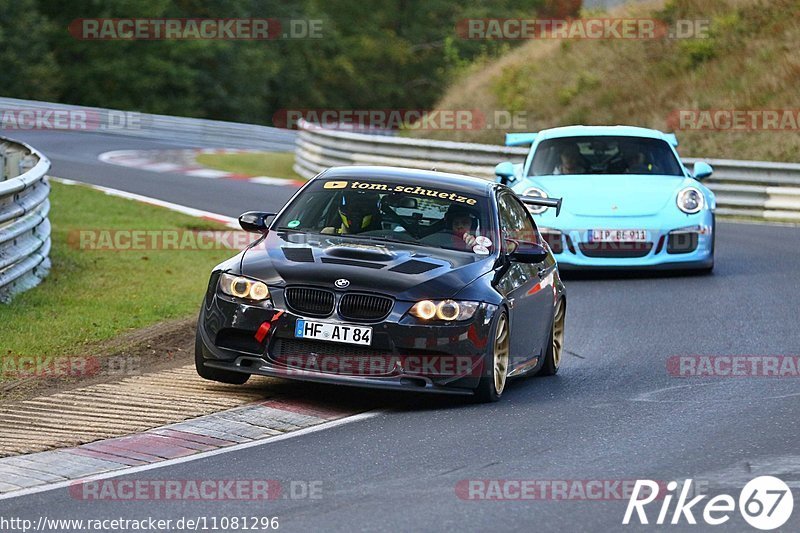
(306, 329)
(617, 235)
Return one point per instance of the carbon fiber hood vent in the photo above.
(298, 255)
(414, 266)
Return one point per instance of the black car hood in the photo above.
(406, 272)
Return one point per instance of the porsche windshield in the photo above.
(604, 155)
(392, 210)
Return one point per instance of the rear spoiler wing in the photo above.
(547, 202)
(520, 139)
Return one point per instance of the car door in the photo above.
(528, 287)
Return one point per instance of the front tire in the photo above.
(492, 385)
(214, 374)
(555, 346)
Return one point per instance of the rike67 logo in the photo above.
(765, 503)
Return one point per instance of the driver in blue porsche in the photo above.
(359, 211)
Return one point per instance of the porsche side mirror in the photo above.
(702, 170)
(255, 222)
(528, 252)
(504, 172)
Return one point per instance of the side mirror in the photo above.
(504, 172)
(527, 252)
(255, 222)
(702, 170)
(546, 202)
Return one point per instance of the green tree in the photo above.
(28, 68)
(398, 55)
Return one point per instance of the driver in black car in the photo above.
(460, 223)
(359, 211)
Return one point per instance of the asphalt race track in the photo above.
(74, 156)
(613, 413)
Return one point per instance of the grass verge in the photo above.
(272, 164)
(94, 295)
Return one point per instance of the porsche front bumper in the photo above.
(682, 242)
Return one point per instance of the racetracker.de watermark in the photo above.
(381, 365)
(69, 119)
(514, 29)
(734, 366)
(546, 489)
(403, 119)
(735, 120)
(182, 29)
(195, 490)
(68, 366)
(117, 240)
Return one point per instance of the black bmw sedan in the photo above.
(391, 278)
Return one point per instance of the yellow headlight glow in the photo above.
(259, 291)
(448, 310)
(240, 287)
(425, 309)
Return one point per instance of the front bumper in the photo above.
(683, 242)
(404, 354)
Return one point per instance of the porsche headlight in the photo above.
(242, 287)
(539, 193)
(447, 310)
(691, 200)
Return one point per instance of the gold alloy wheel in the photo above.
(558, 334)
(501, 354)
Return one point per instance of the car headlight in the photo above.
(242, 287)
(448, 310)
(539, 193)
(691, 200)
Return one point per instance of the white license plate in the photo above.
(617, 235)
(306, 329)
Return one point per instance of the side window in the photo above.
(515, 221)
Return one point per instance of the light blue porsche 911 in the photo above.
(629, 200)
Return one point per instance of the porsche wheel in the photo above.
(214, 374)
(493, 383)
(555, 346)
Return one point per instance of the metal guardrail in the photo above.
(757, 189)
(187, 131)
(319, 148)
(24, 227)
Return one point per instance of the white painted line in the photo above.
(201, 455)
(152, 161)
(267, 180)
(161, 167)
(229, 221)
(107, 157)
(207, 173)
(132, 162)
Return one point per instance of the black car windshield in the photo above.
(604, 155)
(379, 209)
